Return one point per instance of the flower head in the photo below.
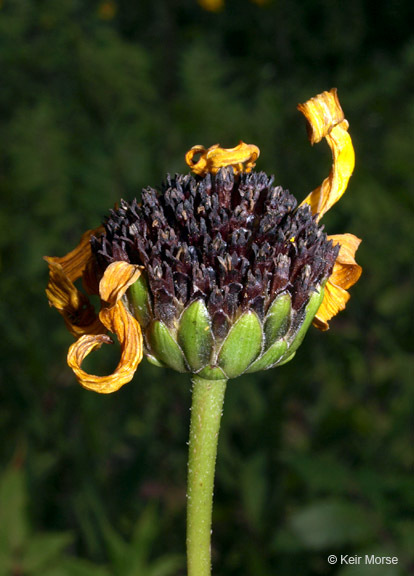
(217, 274)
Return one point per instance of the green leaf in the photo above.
(331, 523)
(145, 533)
(13, 521)
(129, 558)
(195, 336)
(43, 549)
(117, 548)
(167, 565)
(76, 567)
(311, 468)
(253, 482)
(242, 345)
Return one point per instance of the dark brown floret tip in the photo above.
(236, 242)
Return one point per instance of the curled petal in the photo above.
(346, 271)
(345, 274)
(118, 277)
(91, 276)
(242, 158)
(116, 318)
(78, 313)
(334, 300)
(322, 112)
(326, 120)
(74, 263)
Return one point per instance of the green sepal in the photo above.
(310, 310)
(195, 336)
(154, 361)
(212, 373)
(277, 319)
(242, 345)
(164, 348)
(270, 357)
(138, 297)
(286, 359)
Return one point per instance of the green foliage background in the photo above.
(98, 100)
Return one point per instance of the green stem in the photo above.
(206, 410)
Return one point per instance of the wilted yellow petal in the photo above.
(242, 158)
(118, 277)
(346, 271)
(91, 276)
(78, 313)
(326, 120)
(345, 274)
(74, 263)
(334, 300)
(118, 320)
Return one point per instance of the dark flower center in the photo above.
(235, 242)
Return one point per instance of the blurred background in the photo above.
(97, 101)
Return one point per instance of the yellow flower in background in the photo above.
(218, 5)
(212, 5)
(107, 10)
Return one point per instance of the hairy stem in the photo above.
(206, 410)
